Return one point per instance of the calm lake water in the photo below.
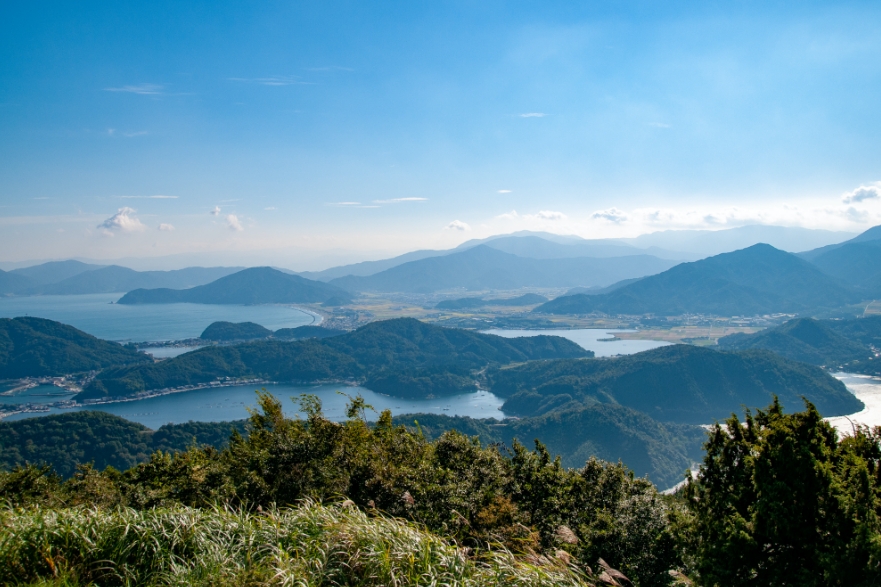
(95, 314)
(231, 403)
(589, 338)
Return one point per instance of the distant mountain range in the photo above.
(239, 331)
(756, 280)
(73, 277)
(482, 267)
(258, 285)
(856, 262)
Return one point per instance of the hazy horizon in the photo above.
(339, 132)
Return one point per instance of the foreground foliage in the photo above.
(778, 501)
(309, 545)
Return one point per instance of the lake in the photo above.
(231, 403)
(590, 339)
(95, 314)
(867, 389)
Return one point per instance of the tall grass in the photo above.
(310, 545)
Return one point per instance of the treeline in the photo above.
(779, 499)
(391, 354)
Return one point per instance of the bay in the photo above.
(868, 390)
(232, 403)
(590, 339)
(95, 314)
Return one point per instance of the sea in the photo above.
(99, 315)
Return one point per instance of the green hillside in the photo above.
(35, 347)
(258, 285)
(375, 350)
(756, 280)
(225, 331)
(677, 383)
(835, 344)
(65, 441)
(308, 331)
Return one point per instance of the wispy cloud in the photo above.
(399, 200)
(504, 191)
(863, 193)
(660, 125)
(276, 80)
(458, 225)
(215, 211)
(270, 208)
(532, 115)
(142, 89)
(123, 221)
(233, 223)
(156, 197)
(551, 215)
(165, 227)
(610, 215)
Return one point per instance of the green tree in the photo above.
(780, 501)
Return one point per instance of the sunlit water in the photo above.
(590, 339)
(867, 389)
(95, 314)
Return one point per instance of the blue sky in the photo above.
(336, 130)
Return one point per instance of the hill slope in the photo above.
(845, 344)
(67, 440)
(440, 359)
(35, 347)
(483, 267)
(54, 271)
(677, 383)
(856, 263)
(12, 283)
(258, 285)
(757, 280)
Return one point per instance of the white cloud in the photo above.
(123, 221)
(532, 115)
(166, 227)
(504, 191)
(270, 208)
(610, 215)
(863, 193)
(215, 211)
(458, 225)
(512, 215)
(143, 89)
(551, 215)
(232, 221)
(660, 125)
(398, 200)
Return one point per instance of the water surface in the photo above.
(95, 314)
(867, 389)
(590, 339)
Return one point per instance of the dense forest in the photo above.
(836, 344)
(676, 383)
(400, 348)
(779, 500)
(36, 347)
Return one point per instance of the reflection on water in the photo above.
(591, 339)
(867, 389)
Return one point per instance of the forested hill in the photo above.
(756, 280)
(35, 347)
(392, 352)
(677, 383)
(258, 285)
(76, 438)
(844, 344)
